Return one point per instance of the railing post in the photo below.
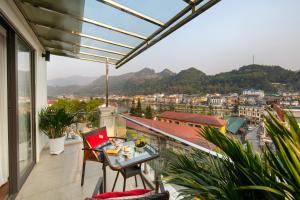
(106, 91)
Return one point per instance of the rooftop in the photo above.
(235, 123)
(183, 132)
(193, 118)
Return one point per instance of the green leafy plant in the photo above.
(239, 172)
(93, 118)
(54, 121)
(148, 112)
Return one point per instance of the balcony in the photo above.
(58, 177)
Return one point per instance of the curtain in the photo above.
(3, 110)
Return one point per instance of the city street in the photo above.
(251, 136)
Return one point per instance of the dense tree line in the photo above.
(136, 110)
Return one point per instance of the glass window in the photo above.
(24, 106)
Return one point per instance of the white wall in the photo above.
(12, 13)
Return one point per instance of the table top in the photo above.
(119, 161)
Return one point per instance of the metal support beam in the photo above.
(83, 46)
(106, 75)
(92, 60)
(84, 53)
(86, 20)
(84, 35)
(155, 37)
(191, 2)
(132, 12)
(99, 56)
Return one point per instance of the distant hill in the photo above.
(71, 80)
(190, 81)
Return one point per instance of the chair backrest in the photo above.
(96, 137)
(93, 139)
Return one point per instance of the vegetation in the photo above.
(131, 134)
(148, 112)
(171, 107)
(54, 121)
(138, 109)
(75, 106)
(94, 118)
(85, 110)
(242, 173)
(194, 81)
(132, 109)
(139, 112)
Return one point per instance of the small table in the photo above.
(119, 162)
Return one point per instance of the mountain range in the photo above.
(71, 80)
(189, 81)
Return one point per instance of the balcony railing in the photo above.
(163, 139)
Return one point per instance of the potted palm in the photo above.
(53, 123)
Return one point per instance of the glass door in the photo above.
(24, 96)
(4, 171)
(3, 110)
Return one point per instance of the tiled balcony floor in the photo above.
(58, 177)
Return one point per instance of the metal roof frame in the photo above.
(155, 37)
(86, 20)
(132, 12)
(192, 9)
(80, 34)
(84, 46)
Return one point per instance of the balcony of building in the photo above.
(59, 177)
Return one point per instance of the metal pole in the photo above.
(106, 63)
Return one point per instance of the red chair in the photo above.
(93, 142)
(137, 194)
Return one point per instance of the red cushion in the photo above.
(96, 139)
(121, 194)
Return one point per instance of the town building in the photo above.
(193, 120)
(216, 100)
(231, 99)
(139, 97)
(253, 113)
(253, 92)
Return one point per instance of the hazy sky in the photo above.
(223, 38)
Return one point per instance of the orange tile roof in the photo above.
(193, 118)
(184, 132)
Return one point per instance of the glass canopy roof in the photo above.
(113, 31)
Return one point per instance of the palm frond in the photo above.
(242, 173)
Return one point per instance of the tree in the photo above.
(138, 110)
(94, 118)
(171, 107)
(132, 109)
(236, 108)
(242, 173)
(148, 112)
(160, 109)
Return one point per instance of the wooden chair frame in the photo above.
(92, 154)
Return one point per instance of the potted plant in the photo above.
(54, 122)
(139, 145)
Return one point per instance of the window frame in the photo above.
(15, 180)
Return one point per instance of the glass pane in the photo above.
(24, 107)
(3, 110)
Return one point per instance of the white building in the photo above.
(253, 113)
(253, 92)
(216, 100)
